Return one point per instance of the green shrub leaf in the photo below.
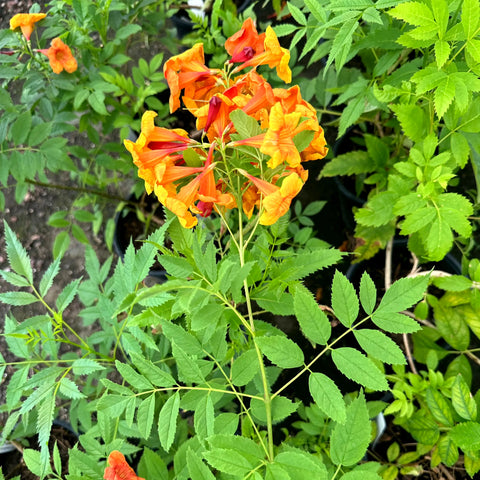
(17, 255)
(349, 441)
(379, 346)
(281, 351)
(344, 300)
(357, 367)
(327, 396)
(167, 421)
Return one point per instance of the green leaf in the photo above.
(167, 421)
(403, 294)
(327, 396)
(85, 366)
(204, 417)
(39, 133)
(47, 279)
(245, 367)
(462, 400)
(228, 461)
(33, 462)
(423, 428)
(351, 163)
(466, 435)
(245, 125)
(14, 279)
(313, 321)
(145, 414)
(349, 441)
(21, 128)
(245, 446)
(444, 96)
(439, 407)
(17, 255)
(132, 377)
(45, 410)
(442, 52)
(447, 450)
(183, 339)
(176, 266)
(301, 465)
(352, 112)
(197, 469)
(470, 17)
(18, 298)
(96, 100)
(377, 345)
(281, 408)
(297, 14)
(368, 293)
(188, 369)
(70, 389)
(344, 300)
(152, 466)
(412, 120)
(357, 367)
(60, 245)
(460, 148)
(281, 351)
(152, 372)
(414, 13)
(67, 294)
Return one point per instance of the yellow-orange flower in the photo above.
(119, 469)
(272, 55)
(26, 22)
(60, 57)
(188, 71)
(276, 200)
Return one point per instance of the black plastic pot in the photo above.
(129, 228)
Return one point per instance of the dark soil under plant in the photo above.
(12, 463)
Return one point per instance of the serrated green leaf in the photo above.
(152, 372)
(204, 417)
(61, 244)
(281, 408)
(228, 461)
(67, 295)
(297, 14)
(17, 255)
(377, 345)
(447, 451)
(412, 120)
(47, 279)
(39, 133)
(196, 468)
(188, 369)
(245, 367)
(132, 377)
(414, 13)
(327, 396)
(18, 298)
(466, 436)
(439, 407)
(96, 100)
(176, 266)
(14, 279)
(145, 415)
(344, 300)
(316, 9)
(444, 95)
(403, 294)
(167, 421)
(301, 465)
(357, 367)
(85, 366)
(470, 17)
(349, 441)
(442, 52)
(423, 428)
(368, 293)
(462, 400)
(340, 48)
(70, 389)
(45, 410)
(313, 321)
(281, 351)
(21, 128)
(351, 163)
(351, 113)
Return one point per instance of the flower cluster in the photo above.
(59, 55)
(254, 137)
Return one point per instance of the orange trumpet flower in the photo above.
(119, 469)
(276, 200)
(26, 22)
(60, 57)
